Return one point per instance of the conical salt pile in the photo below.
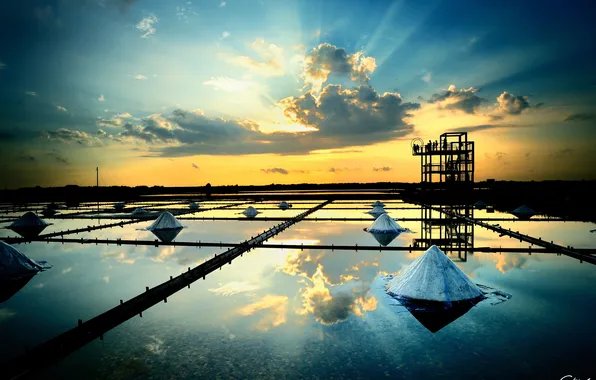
(119, 206)
(481, 205)
(524, 212)
(384, 225)
(138, 212)
(14, 264)
(433, 277)
(378, 204)
(250, 212)
(193, 206)
(29, 225)
(166, 221)
(284, 205)
(377, 211)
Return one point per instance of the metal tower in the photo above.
(449, 160)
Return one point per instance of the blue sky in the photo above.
(73, 73)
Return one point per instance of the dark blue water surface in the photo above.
(306, 314)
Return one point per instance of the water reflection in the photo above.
(439, 227)
(434, 315)
(9, 287)
(385, 238)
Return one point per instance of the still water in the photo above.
(306, 314)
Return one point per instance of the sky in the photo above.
(182, 93)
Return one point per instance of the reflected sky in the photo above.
(291, 313)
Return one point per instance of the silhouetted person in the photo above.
(429, 146)
(444, 144)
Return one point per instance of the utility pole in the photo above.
(97, 185)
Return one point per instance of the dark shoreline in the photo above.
(568, 199)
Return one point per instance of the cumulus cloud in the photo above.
(326, 60)
(354, 114)
(328, 308)
(72, 136)
(140, 77)
(275, 171)
(117, 120)
(464, 100)
(383, 169)
(147, 25)
(60, 108)
(511, 104)
(270, 60)
(195, 165)
(580, 117)
(101, 98)
(229, 84)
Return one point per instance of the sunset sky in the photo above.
(181, 93)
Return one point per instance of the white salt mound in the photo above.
(433, 277)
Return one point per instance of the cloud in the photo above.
(359, 114)
(539, 105)
(329, 308)
(480, 127)
(195, 165)
(225, 34)
(275, 171)
(58, 157)
(140, 77)
(326, 60)
(383, 169)
(3, 65)
(234, 287)
(511, 104)
(31, 93)
(60, 108)
(229, 84)
(101, 98)
(146, 25)
(427, 77)
(182, 12)
(274, 310)
(580, 117)
(72, 136)
(117, 120)
(270, 62)
(339, 118)
(222, 4)
(464, 100)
